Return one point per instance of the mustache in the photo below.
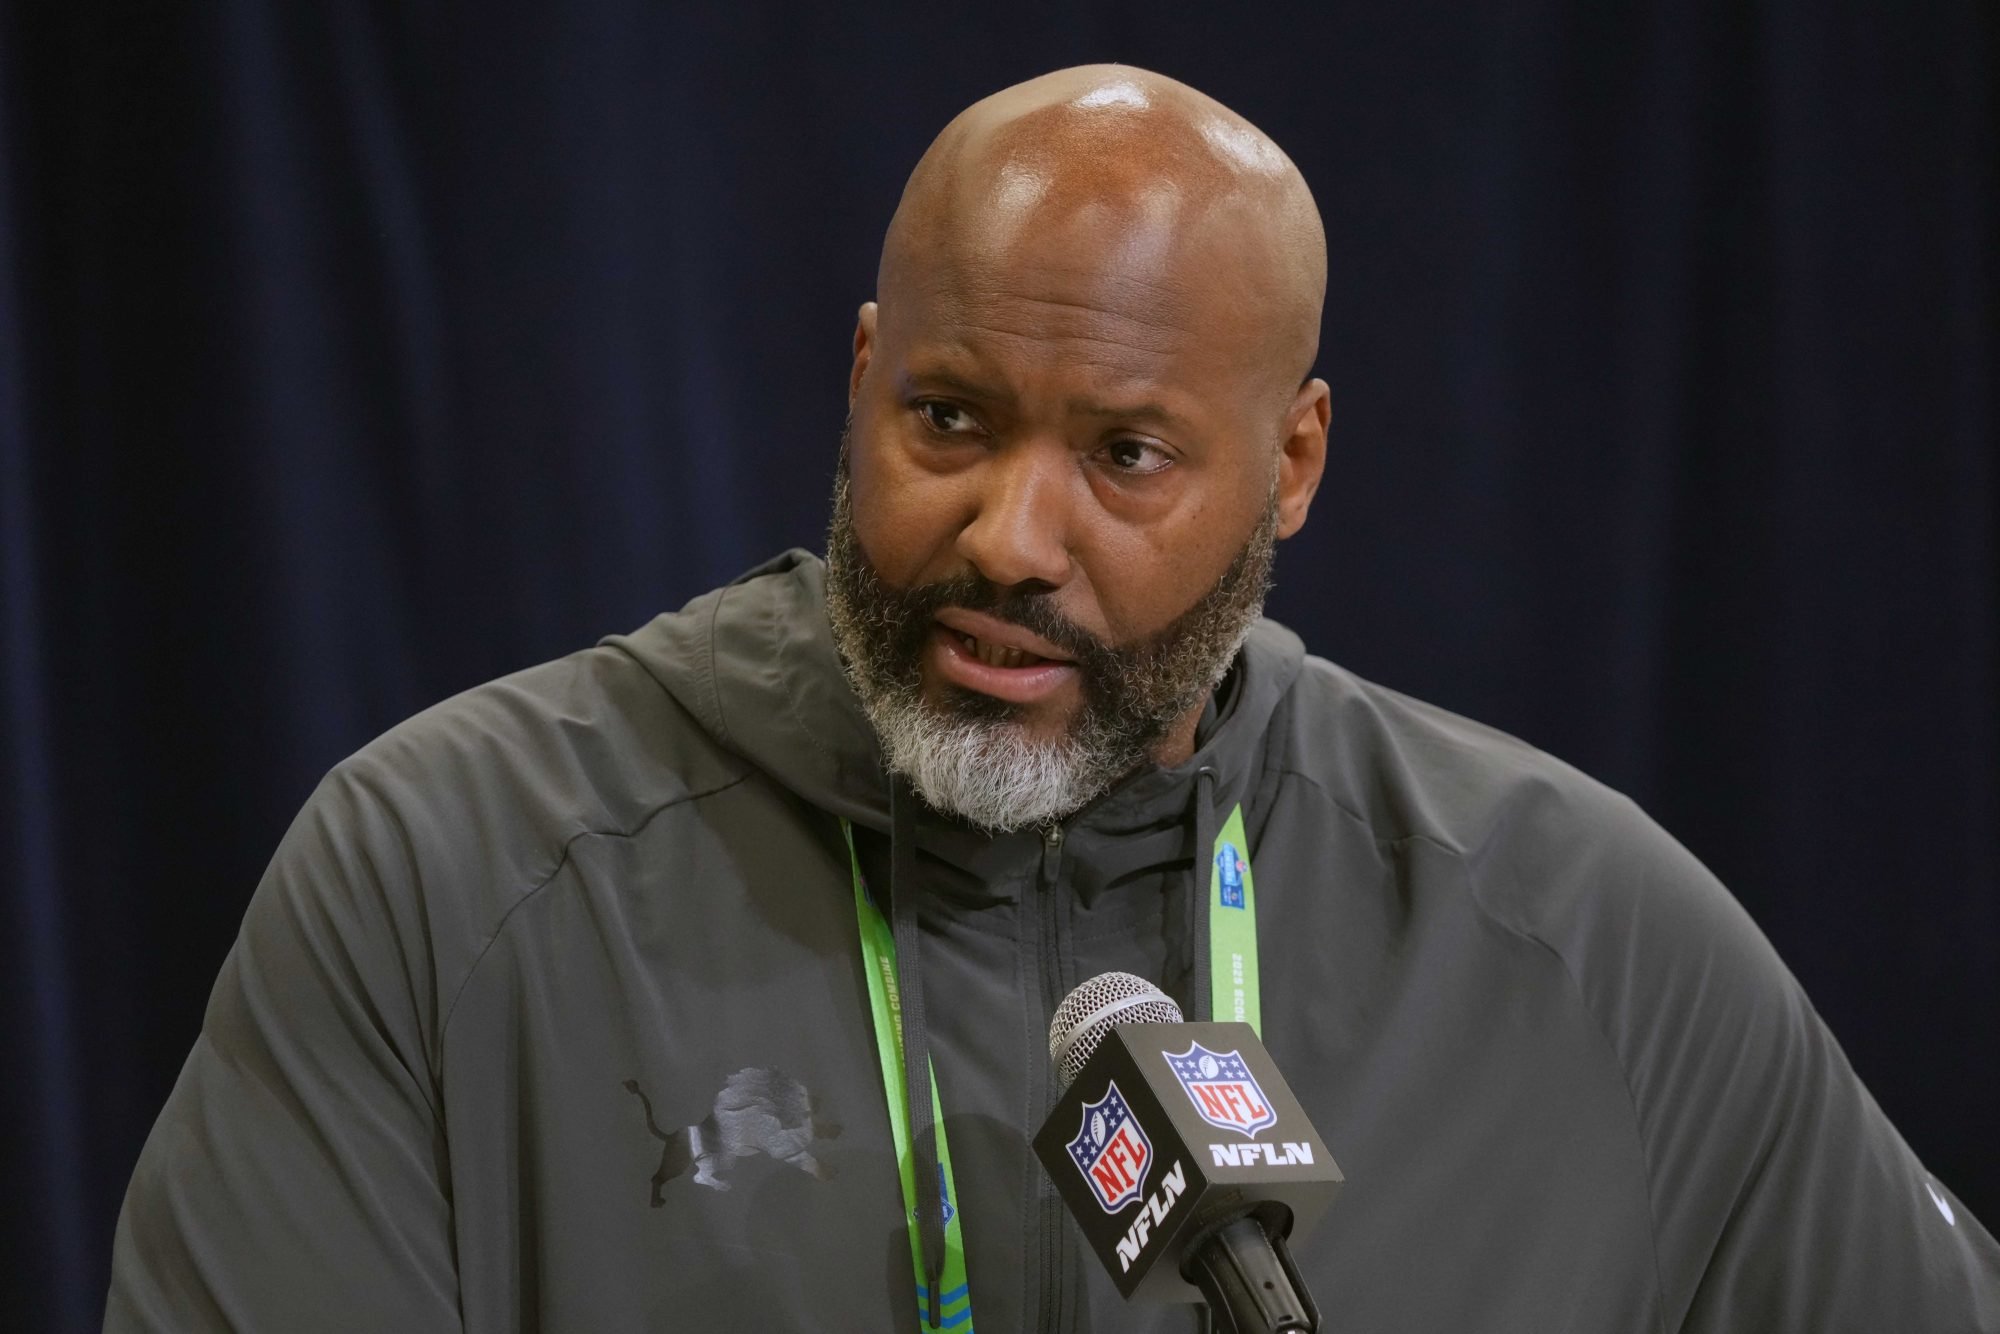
(1034, 612)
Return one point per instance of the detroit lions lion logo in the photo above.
(757, 1112)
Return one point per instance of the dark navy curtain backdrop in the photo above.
(351, 354)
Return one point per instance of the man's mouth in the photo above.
(999, 655)
(982, 653)
(995, 642)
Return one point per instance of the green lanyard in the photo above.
(1232, 945)
(878, 950)
(1232, 929)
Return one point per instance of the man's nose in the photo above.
(1019, 530)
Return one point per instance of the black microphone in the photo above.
(1183, 1156)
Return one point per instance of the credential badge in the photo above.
(1111, 1151)
(1222, 1089)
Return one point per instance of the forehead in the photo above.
(1143, 285)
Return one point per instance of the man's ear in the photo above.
(864, 345)
(1302, 455)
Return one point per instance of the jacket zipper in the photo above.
(1052, 1250)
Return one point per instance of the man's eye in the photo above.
(945, 418)
(1137, 456)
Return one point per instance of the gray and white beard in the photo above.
(969, 755)
(990, 774)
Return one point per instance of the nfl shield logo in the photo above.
(1111, 1151)
(944, 1195)
(1222, 1089)
(1229, 876)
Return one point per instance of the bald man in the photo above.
(609, 996)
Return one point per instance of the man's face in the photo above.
(1067, 463)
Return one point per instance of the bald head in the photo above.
(1142, 177)
(1077, 412)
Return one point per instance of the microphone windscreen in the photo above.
(1087, 1014)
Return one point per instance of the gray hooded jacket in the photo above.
(549, 1015)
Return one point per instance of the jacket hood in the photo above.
(754, 663)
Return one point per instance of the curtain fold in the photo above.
(352, 354)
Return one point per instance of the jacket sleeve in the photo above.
(1784, 1200)
(297, 1178)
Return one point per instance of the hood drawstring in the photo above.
(903, 896)
(1201, 869)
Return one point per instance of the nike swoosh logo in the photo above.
(1942, 1207)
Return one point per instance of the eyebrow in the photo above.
(954, 384)
(1149, 411)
